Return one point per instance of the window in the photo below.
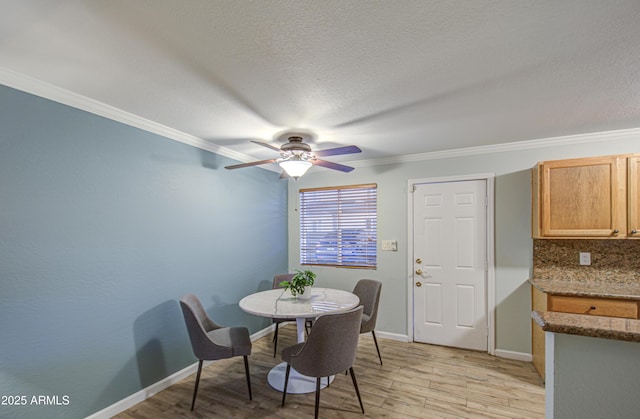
(338, 226)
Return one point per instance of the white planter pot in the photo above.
(306, 295)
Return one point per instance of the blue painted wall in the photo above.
(102, 228)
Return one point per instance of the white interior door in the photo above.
(450, 264)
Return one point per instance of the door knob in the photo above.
(418, 284)
(634, 231)
(419, 261)
(419, 271)
(615, 232)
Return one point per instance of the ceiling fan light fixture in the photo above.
(296, 157)
(295, 166)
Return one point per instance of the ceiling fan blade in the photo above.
(350, 149)
(266, 145)
(332, 165)
(253, 163)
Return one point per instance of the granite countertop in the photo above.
(587, 325)
(601, 289)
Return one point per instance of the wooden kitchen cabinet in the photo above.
(594, 306)
(633, 186)
(595, 197)
(539, 304)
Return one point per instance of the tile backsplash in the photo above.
(611, 260)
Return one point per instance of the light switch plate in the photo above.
(391, 245)
(585, 258)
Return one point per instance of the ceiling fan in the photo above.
(296, 157)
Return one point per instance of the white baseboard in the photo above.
(143, 394)
(155, 388)
(518, 356)
(392, 336)
(263, 332)
(502, 353)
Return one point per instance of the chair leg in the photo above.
(195, 389)
(377, 348)
(275, 341)
(286, 381)
(355, 384)
(317, 396)
(246, 370)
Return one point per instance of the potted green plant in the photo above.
(299, 283)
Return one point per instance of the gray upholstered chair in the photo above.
(210, 341)
(330, 348)
(368, 290)
(276, 284)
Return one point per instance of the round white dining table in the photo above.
(280, 304)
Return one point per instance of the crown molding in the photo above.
(48, 91)
(625, 134)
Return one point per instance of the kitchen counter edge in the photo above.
(600, 289)
(588, 325)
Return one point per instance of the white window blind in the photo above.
(338, 226)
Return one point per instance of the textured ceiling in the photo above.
(393, 77)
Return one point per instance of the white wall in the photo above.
(513, 244)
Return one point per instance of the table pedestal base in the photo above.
(298, 383)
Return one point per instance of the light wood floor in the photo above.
(416, 381)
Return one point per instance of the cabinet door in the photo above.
(634, 197)
(583, 197)
(538, 303)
